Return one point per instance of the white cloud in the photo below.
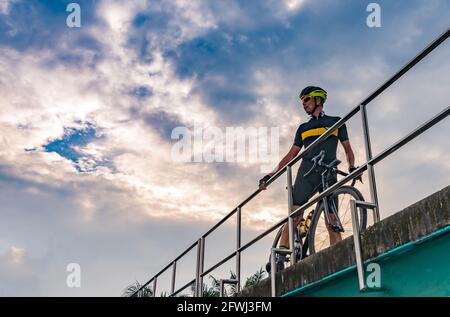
(51, 99)
(16, 273)
(293, 5)
(15, 255)
(5, 6)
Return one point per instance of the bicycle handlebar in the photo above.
(318, 160)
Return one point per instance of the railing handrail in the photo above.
(370, 162)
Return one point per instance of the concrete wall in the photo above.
(411, 224)
(416, 269)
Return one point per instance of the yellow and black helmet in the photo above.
(312, 91)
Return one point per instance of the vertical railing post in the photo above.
(174, 272)
(197, 270)
(202, 265)
(154, 287)
(370, 169)
(273, 268)
(273, 272)
(291, 220)
(238, 253)
(221, 285)
(357, 243)
(355, 204)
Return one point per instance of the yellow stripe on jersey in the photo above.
(317, 132)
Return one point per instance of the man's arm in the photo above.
(286, 159)
(349, 153)
(350, 158)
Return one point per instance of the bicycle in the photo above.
(312, 237)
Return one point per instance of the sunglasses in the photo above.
(305, 99)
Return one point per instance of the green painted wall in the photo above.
(418, 269)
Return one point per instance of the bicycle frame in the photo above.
(325, 202)
(329, 170)
(302, 244)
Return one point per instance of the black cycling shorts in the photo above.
(305, 187)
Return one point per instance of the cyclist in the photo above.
(312, 98)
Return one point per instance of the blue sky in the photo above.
(86, 116)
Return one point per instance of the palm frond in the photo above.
(130, 290)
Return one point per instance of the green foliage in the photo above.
(208, 291)
(252, 280)
(133, 288)
(255, 278)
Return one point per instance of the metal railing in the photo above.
(369, 166)
(354, 204)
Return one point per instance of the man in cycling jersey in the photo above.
(312, 98)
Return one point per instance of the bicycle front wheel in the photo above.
(319, 238)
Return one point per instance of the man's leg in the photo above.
(284, 240)
(302, 190)
(335, 237)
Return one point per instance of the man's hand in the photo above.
(351, 169)
(263, 181)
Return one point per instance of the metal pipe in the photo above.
(365, 204)
(197, 270)
(222, 285)
(416, 59)
(154, 287)
(182, 254)
(273, 268)
(184, 287)
(357, 242)
(218, 264)
(142, 287)
(231, 213)
(174, 270)
(167, 267)
(273, 272)
(291, 219)
(373, 191)
(221, 288)
(238, 246)
(202, 265)
(370, 169)
(433, 121)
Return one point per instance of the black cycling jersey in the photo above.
(314, 128)
(305, 187)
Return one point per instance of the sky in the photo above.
(88, 173)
